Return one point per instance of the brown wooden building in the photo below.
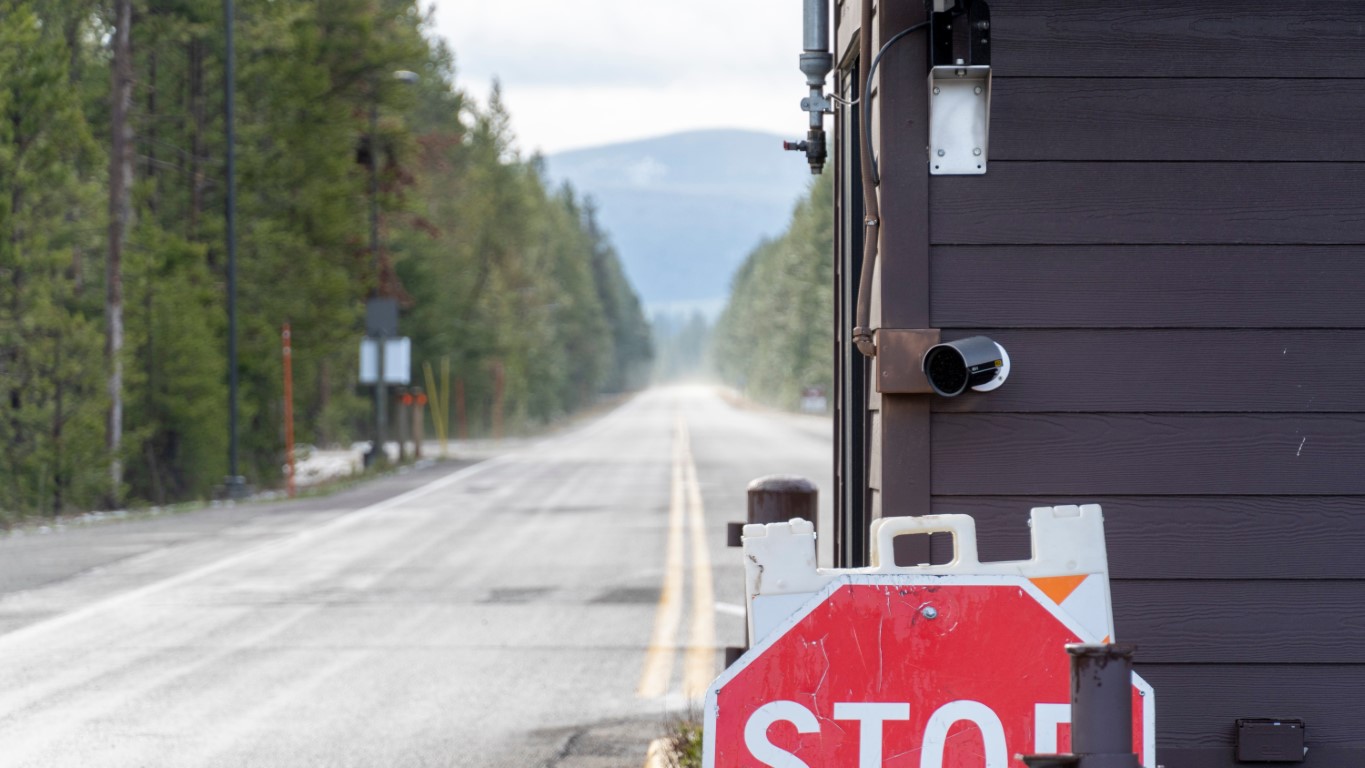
(1170, 242)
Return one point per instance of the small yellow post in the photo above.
(438, 407)
(445, 400)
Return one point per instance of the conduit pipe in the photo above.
(862, 329)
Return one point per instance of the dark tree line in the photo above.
(509, 278)
(776, 336)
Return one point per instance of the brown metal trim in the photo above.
(900, 352)
(904, 285)
(846, 14)
(903, 108)
(851, 504)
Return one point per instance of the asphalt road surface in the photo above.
(548, 607)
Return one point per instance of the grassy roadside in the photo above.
(681, 743)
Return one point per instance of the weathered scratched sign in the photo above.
(959, 672)
(923, 667)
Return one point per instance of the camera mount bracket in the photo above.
(899, 370)
(959, 119)
(959, 88)
(978, 37)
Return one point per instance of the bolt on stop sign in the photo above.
(911, 670)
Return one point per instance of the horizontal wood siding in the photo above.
(1186, 538)
(1160, 286)
(1198, 704)
(1172, 38)
(1026, 203)
(1222, 756)
(1199, 371)
(1138, 454)
(1297, 623)
(1165, 119)
(1170, 242)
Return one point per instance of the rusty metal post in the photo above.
(1101, 710)
(418, 424)
(400, 416)
(1102, 705)
(777, 499)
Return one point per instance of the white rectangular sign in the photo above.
(397, 361)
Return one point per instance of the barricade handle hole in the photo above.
(911, 549)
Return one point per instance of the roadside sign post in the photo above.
(385, 358)
(923, 667)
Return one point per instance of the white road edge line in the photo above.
(340, 522)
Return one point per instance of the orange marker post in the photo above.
(289, 409)
(417, 423)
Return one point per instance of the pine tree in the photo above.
(112, 144)
(50, 362)
(783, 287)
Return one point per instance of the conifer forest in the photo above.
(784, 289)
(113, 316)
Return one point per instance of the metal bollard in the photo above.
(1101, 710)
(1102, 705)
(777, 499)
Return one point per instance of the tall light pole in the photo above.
(236, 483)
(381, 312)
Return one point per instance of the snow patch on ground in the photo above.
(313, 466)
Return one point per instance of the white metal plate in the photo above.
(959, 120)
(397, 361)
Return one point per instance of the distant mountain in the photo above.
(684, 210)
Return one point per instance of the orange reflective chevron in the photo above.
(1059, 588)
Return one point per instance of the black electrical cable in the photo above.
(867, 90)
(863, 335)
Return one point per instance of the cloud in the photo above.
(712, 35)
(534, 66)
(556, 119)
(595, 71)
(645, 172)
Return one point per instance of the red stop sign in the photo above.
(913, 671)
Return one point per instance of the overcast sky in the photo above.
(578, 73)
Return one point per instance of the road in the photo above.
(548, 607)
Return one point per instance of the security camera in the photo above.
(977, 362)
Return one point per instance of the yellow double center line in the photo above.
(699, 660)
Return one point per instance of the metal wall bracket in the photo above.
(821, 104)
(947, 18)
(900, 360)
(959, 119)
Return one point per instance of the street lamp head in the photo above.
(406, 77)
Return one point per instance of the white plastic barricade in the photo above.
(848, 664)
